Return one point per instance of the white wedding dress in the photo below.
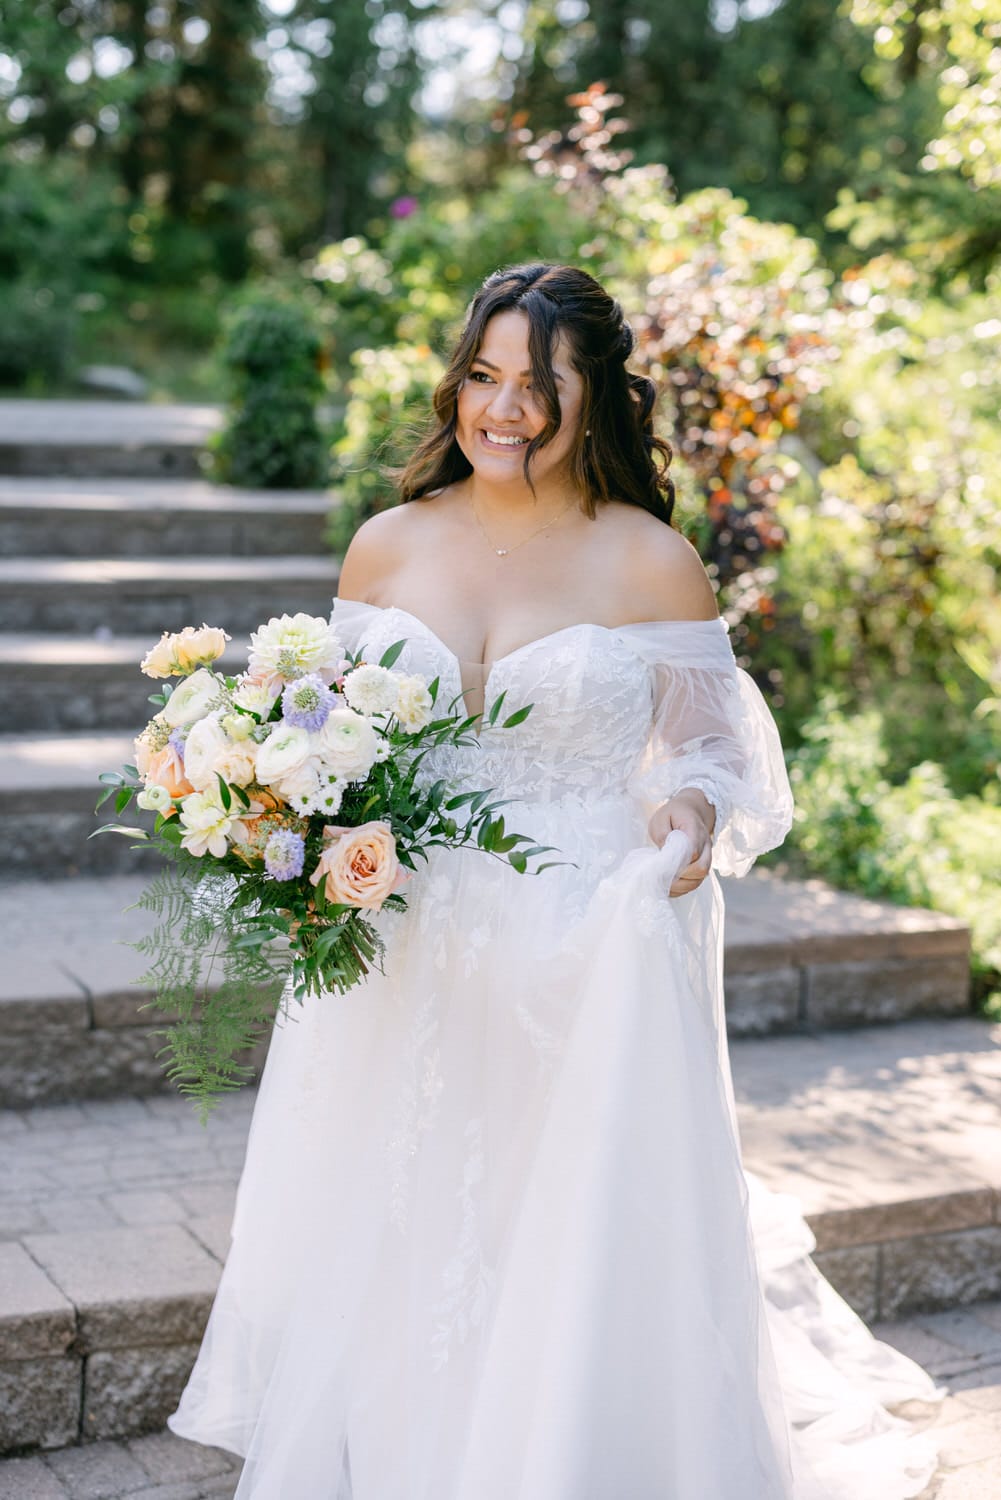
(493, 1240)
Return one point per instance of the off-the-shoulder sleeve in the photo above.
(350, 619)
(712, 730)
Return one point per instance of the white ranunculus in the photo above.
(286, 748)
(347, 744)
(291, 645)
(192, 699)
(372, 690)
(413, 703)
(155, 798)
(204, 748)
(303, 782)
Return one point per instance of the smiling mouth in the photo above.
(499, 440)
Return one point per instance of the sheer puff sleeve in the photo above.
(711, 729)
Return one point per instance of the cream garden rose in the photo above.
(184, 651)
(210, 753)
(413, 703)
(359, 866)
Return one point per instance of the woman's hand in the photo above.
(696, 817)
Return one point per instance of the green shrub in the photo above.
(389, 399)
(272, 439)
(916, 842)
(36, 337)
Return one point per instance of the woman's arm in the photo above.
(673, 585)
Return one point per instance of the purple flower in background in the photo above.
(307, 701)
(284, 854)
(402, 208)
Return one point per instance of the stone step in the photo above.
(117, 1213)
(135, 518)
(54, 684)
(888, 1137)
(70, 1007)
(135, 595)
(104, 438)
(48, 788)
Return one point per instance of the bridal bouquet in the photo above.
(287, 803)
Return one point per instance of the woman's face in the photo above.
(498, 409)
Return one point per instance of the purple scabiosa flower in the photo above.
(176, 739)
(307, 701)
(284, 854)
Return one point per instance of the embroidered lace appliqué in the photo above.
(467, 1279)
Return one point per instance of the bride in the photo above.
(493, 1240)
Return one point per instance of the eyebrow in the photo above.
(479, 361)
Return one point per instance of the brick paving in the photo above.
(158, 1467)
(961, 1349)
(120, 1162)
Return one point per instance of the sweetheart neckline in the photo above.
(508, 655)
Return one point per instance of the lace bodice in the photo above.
(638, 710)
(590, 720)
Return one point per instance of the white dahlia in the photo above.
(289, 646)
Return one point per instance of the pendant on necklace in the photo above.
(501, 551)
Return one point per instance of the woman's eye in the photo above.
(481, 374)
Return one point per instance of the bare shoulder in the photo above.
(376, 550)
(661, 572)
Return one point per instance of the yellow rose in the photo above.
(359, 865)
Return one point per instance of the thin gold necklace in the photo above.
(503, 551)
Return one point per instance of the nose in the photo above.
(506, 402)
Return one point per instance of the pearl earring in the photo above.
(587, 432)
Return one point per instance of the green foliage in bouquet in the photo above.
(245, 915)
(273, 352)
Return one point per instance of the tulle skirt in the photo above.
(493, 1239)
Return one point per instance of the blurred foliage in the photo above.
(272, 439)
(36, 332)
(386, 415)
(944, 210)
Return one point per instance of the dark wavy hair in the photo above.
(623, 459)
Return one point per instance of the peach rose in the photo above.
(166, 769)
(359, 865)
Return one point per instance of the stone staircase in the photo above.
(864, 1085)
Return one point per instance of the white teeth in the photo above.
(510, 442)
